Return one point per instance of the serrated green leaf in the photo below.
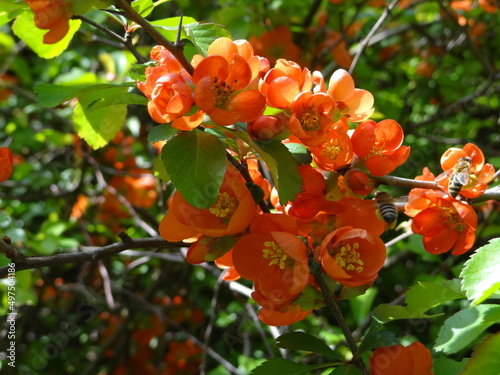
(423, 296)
(289, 182)
(54, 95)
(299, 152)
(196, 163)
(480, 273)
(376, 339)
(203, 34)
(447, 366)
(98, 126)
(465, 326)
(275, 366)
(24, 27)
(386, 313)
(306, 342)
(485, 359)
(162, 132)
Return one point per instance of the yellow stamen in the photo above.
(331, 151)
(310, 121)
(348, 258)
(276, 255)
(224, 206)
(222, 93)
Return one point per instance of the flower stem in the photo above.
(339, 317)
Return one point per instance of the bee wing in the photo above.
(444, 175)
(462, 177)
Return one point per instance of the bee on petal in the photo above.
(459, 176)
(386, 209)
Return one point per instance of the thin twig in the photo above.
(88, 256)
(132, 15)
(365, 41)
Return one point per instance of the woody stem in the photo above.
(339, 317)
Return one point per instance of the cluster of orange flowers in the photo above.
(327, 221)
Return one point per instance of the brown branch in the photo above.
(88, 256)
(178, 52)
(10, 252)
(405, 182)
(339, 317)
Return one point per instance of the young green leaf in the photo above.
(423, 296)
(480, 274)
(485, 359)
(99, 126)
(465, 326)
(196, 163)
(376, 339)
(202, 35)
(143, 7)
(306, 342)
(447, 366)
(24, 27)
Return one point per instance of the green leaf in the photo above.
(202, 35)
(480, 274)
(386, 313)
(376, 339)
(160, 170)
(161, 132)
(289, 182)
(24, 27)
(310, 298)
(120, 98)
(275, 366)
(99, 126)
(306, 342)
(9, 11)
(196, 163)
(168, 26)
(299, 153)
(143, 7)
(54, 95)
(346, 370)
(486, 359)
(465, 326)
(447, 366)
(424, 296)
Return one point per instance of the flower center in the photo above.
(276, 255)
(222, 92)
(331, 151)
(224, 206)
(348, 258)
(452, 218)
(310, 120)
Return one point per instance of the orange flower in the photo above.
(414, 359)
(358, 182)
(355, 105)
(168, 87)
(5, 163)
(275, 44)
(284, 82)
(479, 174)
(138, 187)
(52, 15)
(360, 213)
(351, 256)
(279, 315)
(231, 213)
(312, 117)
(273, 257)
(221, 90)
(265, 128)
(336, 152)
(207, 249)
(444, 222)
(379, 145)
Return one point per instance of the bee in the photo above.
(459, 176)
(386, 209)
